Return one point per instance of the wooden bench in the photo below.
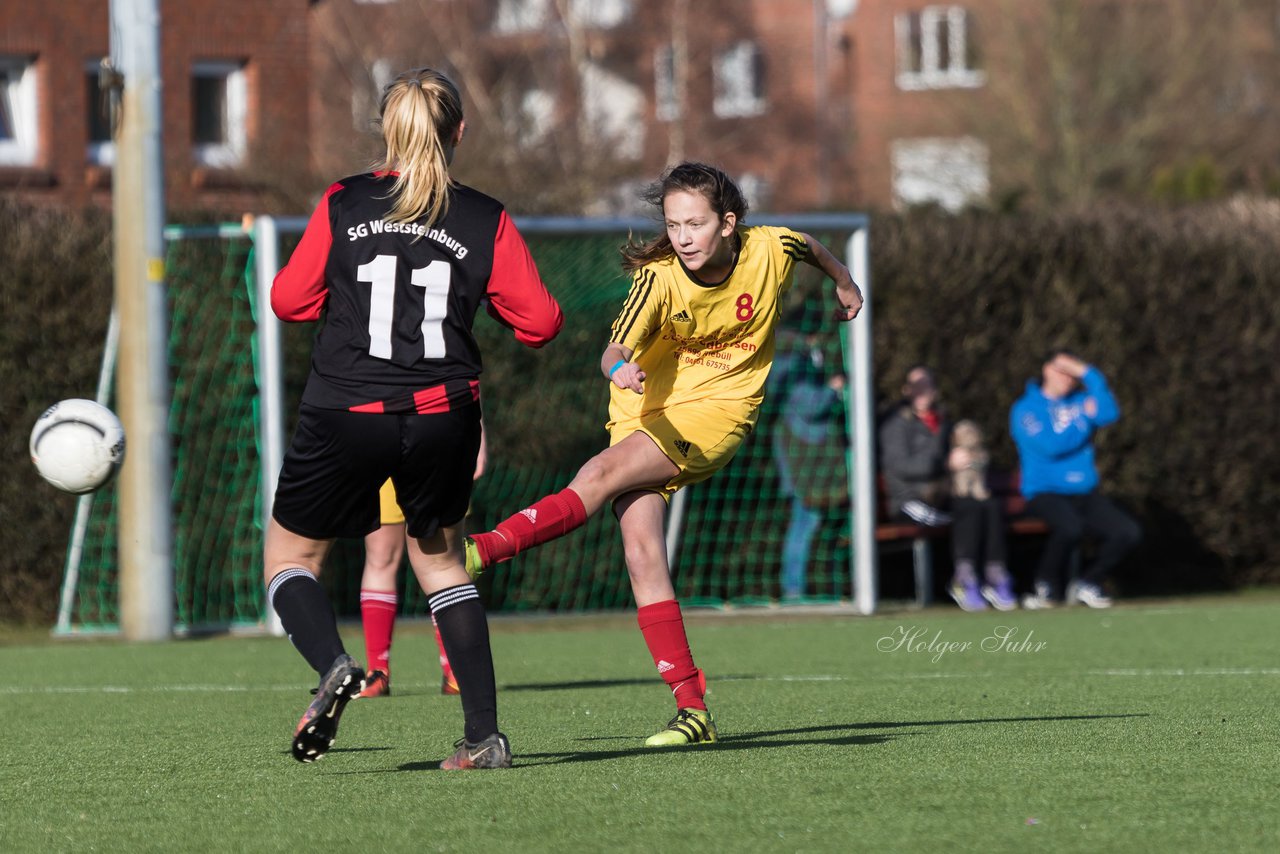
(1005, 487)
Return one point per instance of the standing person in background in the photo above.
(1053, 425)
(808, 444)
(687, 359)
(917, 460)
(397, 262)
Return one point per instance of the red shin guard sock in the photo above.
(546, 519)
(444, 656)
(378, 616)
(663, 627)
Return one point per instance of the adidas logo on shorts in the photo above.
(681, 317)
(683, 447)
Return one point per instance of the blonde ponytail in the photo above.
(420, 114)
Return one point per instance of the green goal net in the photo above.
(775, 525)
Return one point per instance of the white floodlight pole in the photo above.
(146, 569)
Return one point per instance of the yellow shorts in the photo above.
(700, 438)
(390, 514)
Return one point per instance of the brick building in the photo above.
(234, 101)
(813, 104)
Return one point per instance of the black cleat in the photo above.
(319, 725)
(492, 752)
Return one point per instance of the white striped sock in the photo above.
(281, 578)
(452, 596)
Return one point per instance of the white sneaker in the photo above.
(1092, 595)
(924, 514)
(1034, 602)
(1040, 600)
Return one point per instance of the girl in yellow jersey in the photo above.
(687, 357)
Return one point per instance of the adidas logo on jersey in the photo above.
(530, 514)
(681, 317)
(664, 665)
(683, 447)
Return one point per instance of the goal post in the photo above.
(238, 373)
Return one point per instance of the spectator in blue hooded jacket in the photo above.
(1053, 425)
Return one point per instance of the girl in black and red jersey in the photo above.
(397, 262)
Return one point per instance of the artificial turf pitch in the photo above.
(1149, 727)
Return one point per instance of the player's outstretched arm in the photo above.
(847, 291)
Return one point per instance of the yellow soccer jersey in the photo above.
(698, 342)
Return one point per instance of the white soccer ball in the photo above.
(77, 445)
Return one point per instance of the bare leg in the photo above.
(634, 463)
(285, 549)
(641, 515)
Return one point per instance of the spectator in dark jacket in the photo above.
(917, 461)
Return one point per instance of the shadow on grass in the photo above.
(763, 740)
(733, 743)
(609, 683)
(753, 737)
(584, 683)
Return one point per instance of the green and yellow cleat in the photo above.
(689, 726)
(474, 564)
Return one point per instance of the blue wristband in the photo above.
(614, 369)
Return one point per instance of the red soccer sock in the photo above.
(378, 615)
(444, 656)
(663, 627)
(546, 519)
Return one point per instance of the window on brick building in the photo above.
(18, 135)
(666, 96)
(937, 48)
(366, 94)
(951, 173)
(219, 105)
(99, 149)
(612, 110)
(738, 75)
(529, 116)
(601, 14)
(520, 16)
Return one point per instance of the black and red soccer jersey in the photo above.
(399, 299)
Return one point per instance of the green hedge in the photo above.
(55, 297)
(1181, 310)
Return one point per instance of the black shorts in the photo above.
(338, 461)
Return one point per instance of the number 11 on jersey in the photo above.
(380, 274)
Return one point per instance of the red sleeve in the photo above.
(517, 297)
(298, 292)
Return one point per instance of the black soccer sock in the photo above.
(307, 617)
(465, 631)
